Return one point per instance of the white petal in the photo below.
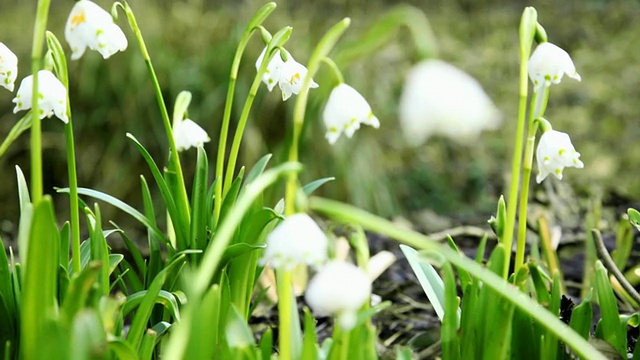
(296, 240)
(440, 99)
(290, 78)
(91, 26)
(548, 64)
(270, 77)
(188, 134)
(555, 152)
(8, 67)
(346, 109)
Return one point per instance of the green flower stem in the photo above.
(321, 51)
(183, 201)
(539, 106)
(285, 307)
(39, 28)
(351, 214)
(334, 69)
(226, 117)
(344, 339)
(278, 40)
(73, 193)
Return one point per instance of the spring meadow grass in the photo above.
(223, 237)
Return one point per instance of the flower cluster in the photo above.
(440, 99)
(346, 109)
(289, 74)
(90, 26)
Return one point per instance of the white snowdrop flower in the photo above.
(296, 240)
(187, 134)
(91, 26)
(548, 64)
(554, 153)
(339, 289)
(290, 77)
(52, 96)
(346, 109)
(440, 99)
(270, 77)
(8, 67)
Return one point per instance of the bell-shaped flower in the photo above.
(52, 97)
(8, 67)
(289, 74)
(296, 240)
(339, 289)
(548, 64)
(91, 26)
(346, 109)
(554, 153)
(187, 134)
(440, 99)
(270, 76)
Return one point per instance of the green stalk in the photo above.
(226, 117)
(321, 51)
(539, 107)
(73, 194)
(285, 306)
(39, 28)
(351, 214)
(183, 201)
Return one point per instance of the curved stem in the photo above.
(539, 106)
(183, 201)
(334, 69)
(611, 266)
(39, 28)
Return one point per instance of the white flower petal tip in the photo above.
(188, 134)
(555, 152)
(548, 64)
(296, 240)
(289, 75)
(8, 67)
(339, 289)
(52, 98)
(346, 109)
(91, 26)
(440, 99)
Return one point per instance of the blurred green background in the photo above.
(192, 42)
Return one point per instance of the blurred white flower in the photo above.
(339, 289)
(296, 240)
(440, 99)
(90, 25)
(52, 97)
(548, 64)
(8, 67)
(346, 109)
(287, 74)
(270, 77)
(554, 153)
(187, 134)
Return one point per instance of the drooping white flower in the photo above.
(346, 109)
(52, 96)
(289, 74)
(91, 26)
(548, 64)
(270, 77)
(440, 99)
(187, 134)
(339, 289)
(554, 153)
(296, 240)
(8, 67)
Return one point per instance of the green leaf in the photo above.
(266, 344)
(78, 291)
(122, 350)
(624, 244)
(98, 248)
(257, 169)
(429, 279)
(232, 195)
(582, 315)
(449, 332)
(237, 331)
(310, 339)
(7, 295)
(39, 305)
(59, 59)
(542, 292)
(164, 298)
(21, 126)
(199, 212)
(23, 189)
(155, 252)
(65, 238)
(612, 331)
(464, 276)
(88, 337)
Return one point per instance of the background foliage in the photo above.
(192, 42)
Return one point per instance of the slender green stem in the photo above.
(351, 214)
(285, 295)
(39, 28)
(73, 195)
(334, 69)
(321, 51)
(608, 262)
(183, 201)
(345, 337)
(539, 106)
